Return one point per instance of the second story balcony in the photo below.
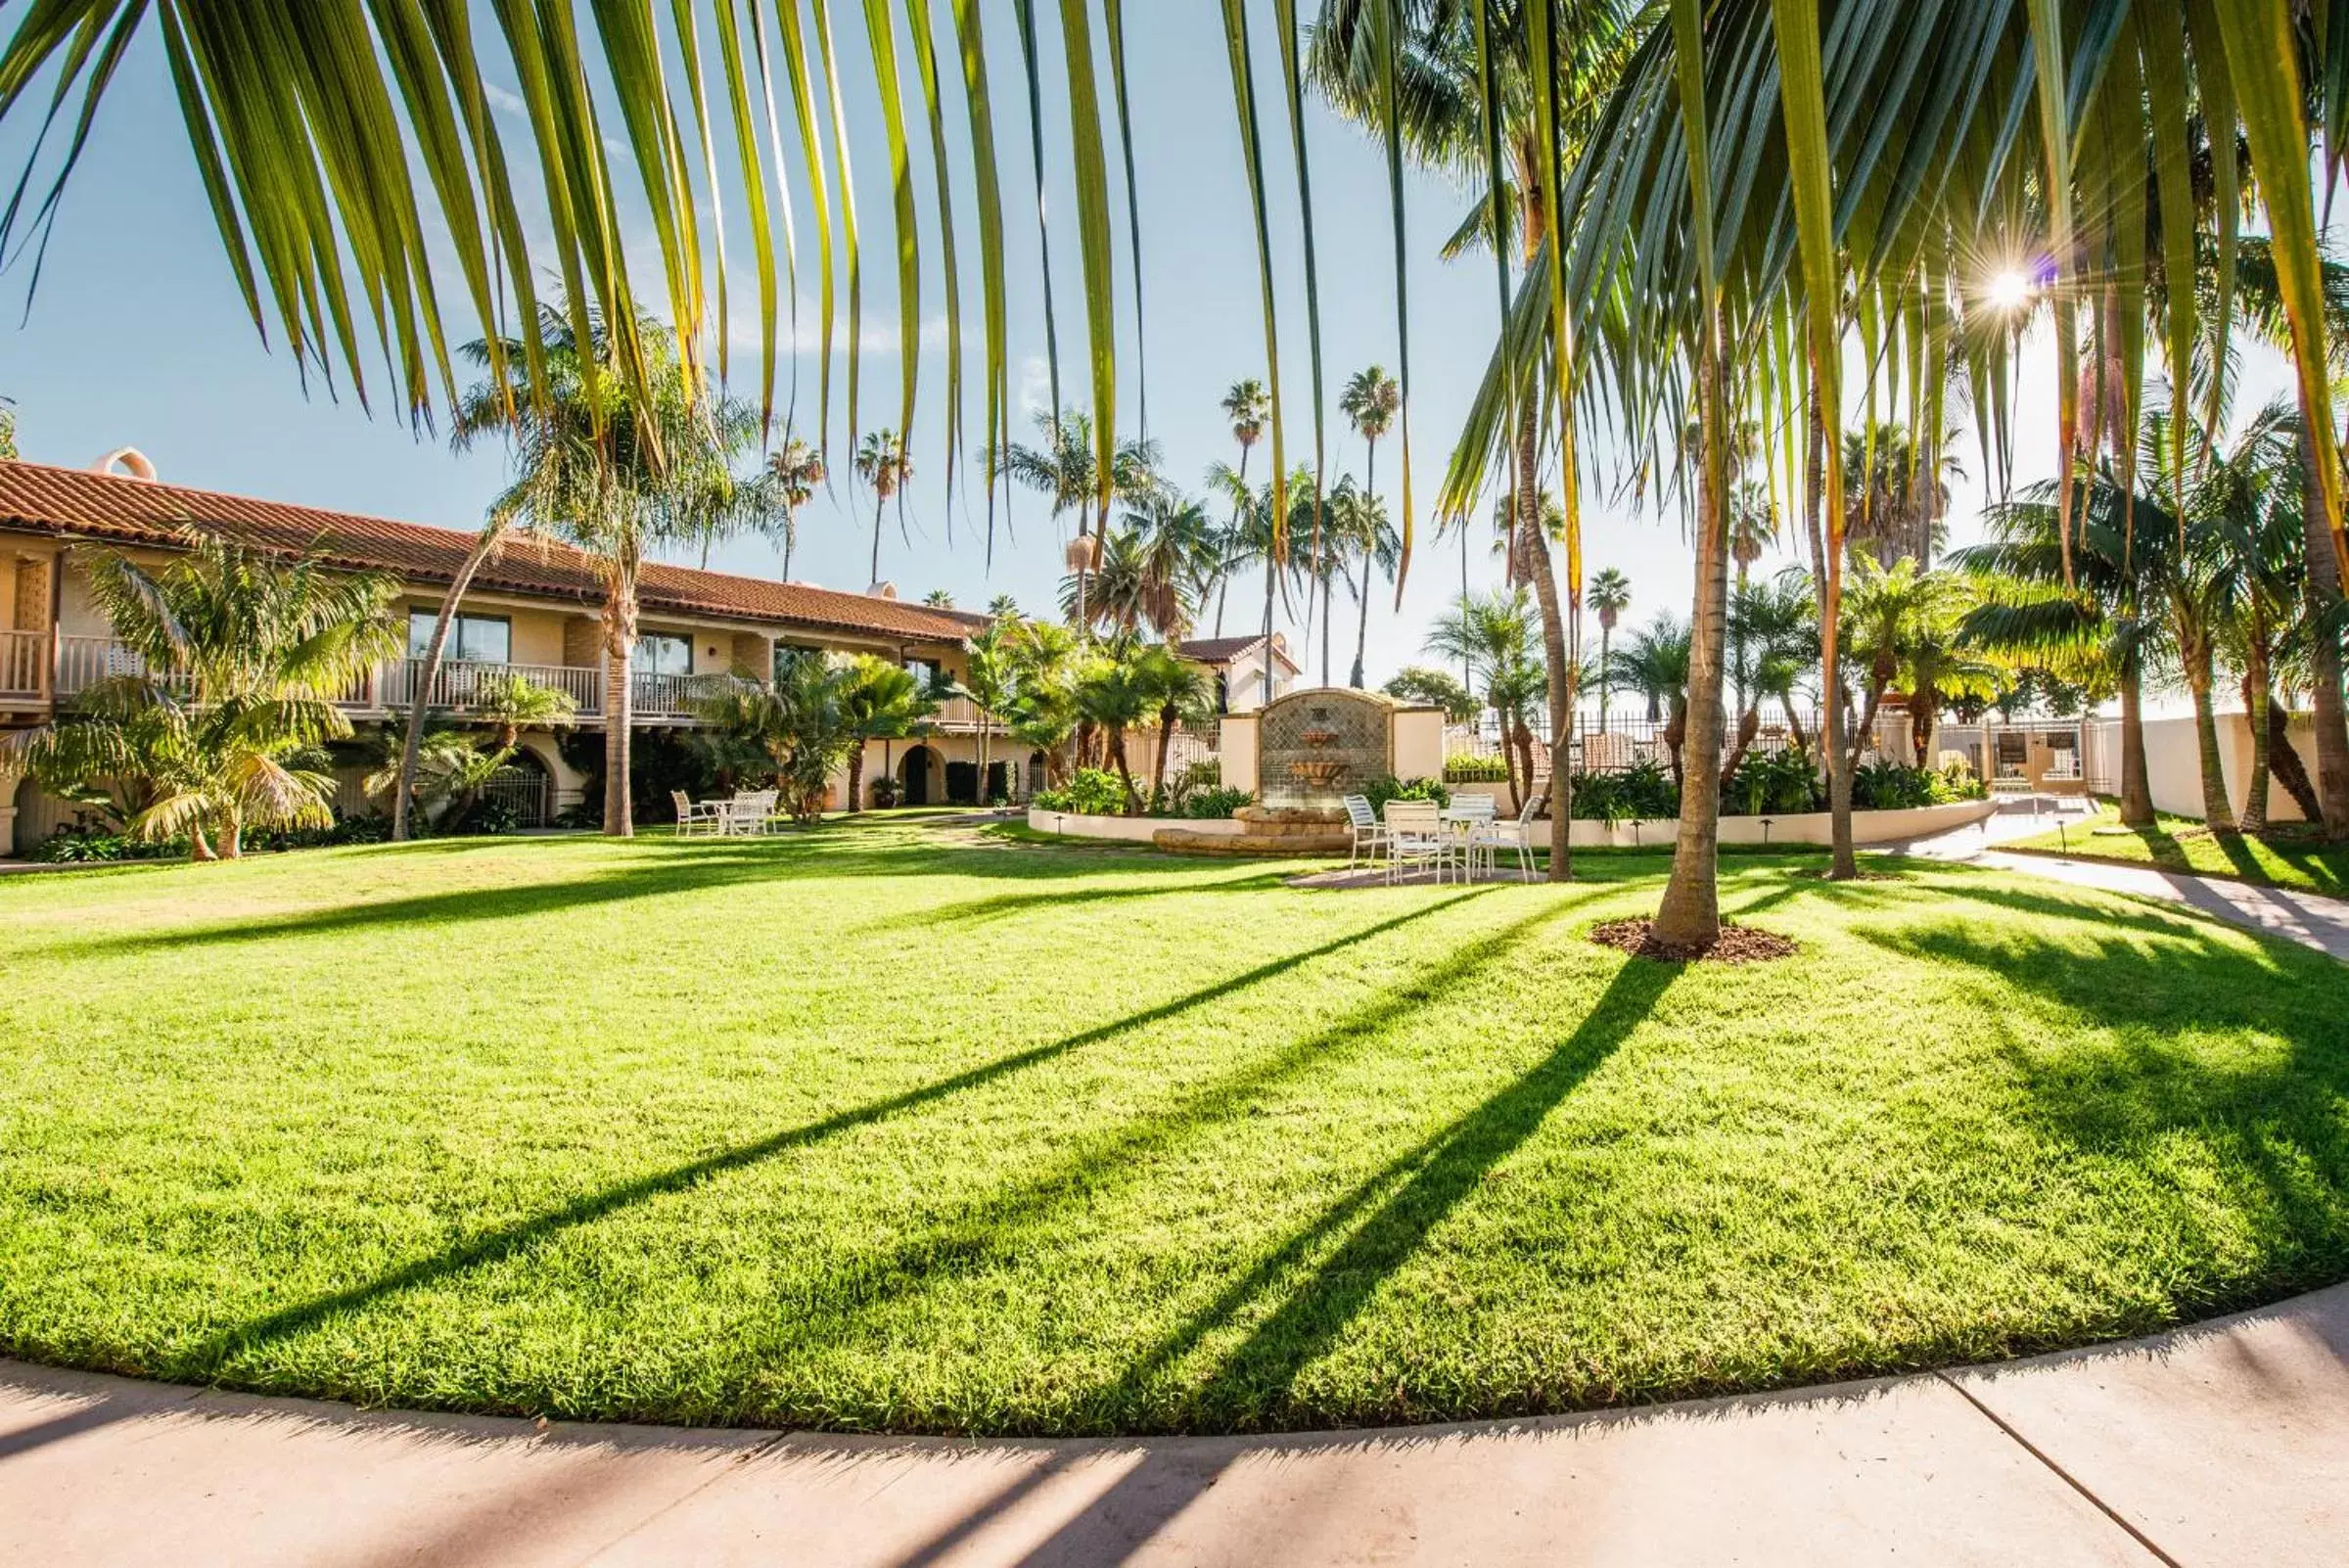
(459, 686)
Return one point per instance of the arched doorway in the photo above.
(917, 780)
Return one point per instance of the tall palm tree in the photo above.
(239, 659)
(1360, 522)
(1065, 466)
(1896, 500)
(1609, 597)
(796, 470)
(884, 465)
(615, 476)
(990, 676)
(939, 598)
(1245, 406)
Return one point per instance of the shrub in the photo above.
(1214, 802)
(1893, 787)
(1774, 783)
(1468, 769)
(83, 842)
(883, 793)
(1642, 792)
(1379, 791)
(1092, 792)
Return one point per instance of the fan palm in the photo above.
(1655, 664)
(880, 701)
(239, 657)
(1609, 597)
(797, 469)
(884, 465)
(1118, 689)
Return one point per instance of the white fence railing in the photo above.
(23, 663)
(459, 685)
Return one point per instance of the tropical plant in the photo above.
(1655, 664)
(1183, 695)
(8, 429)
(1358, 522)
(1150, 568)
(805, 722)
(1896, 495)
(1774, 640)
(1491, 635)
(1117, 691)
(796, 470)
(1245, 406)
(939, 598)
(614, 475)
(879, 700)
(238, 658)
(886, 467)
(1041, 709)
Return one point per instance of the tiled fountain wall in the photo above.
(1315, 747)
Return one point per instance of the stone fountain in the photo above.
(1314, 748)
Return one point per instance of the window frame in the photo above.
(453, 651)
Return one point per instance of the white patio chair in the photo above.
(1473, 816)
(1515, 834)
(1369, 836)
(750, 811)
(1417, 837)
(697, 816)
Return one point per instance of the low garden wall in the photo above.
(1124, 829)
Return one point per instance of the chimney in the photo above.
(130, 460)
(883, 590)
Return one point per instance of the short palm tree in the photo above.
(883, 463)
(240, 659)
(796, 470)
(881, 701)
(1115, 693)
(1491, 635)
(1654, 663)
(1183, 695)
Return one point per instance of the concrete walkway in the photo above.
(2308, 918)
(2226, 1444)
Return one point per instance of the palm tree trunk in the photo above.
(2137, 785)
(2321, 589)
(1606, 670)
(2283, 761)
(1115, 739)
(1361, 630)
(619, 703)
(879, 501)
(1271, 586)
(1843, 863)
(857, 776)
(791, 538)
(1533, 545)
(1690, 916)
(2216, 814)
(404, 792)
(1166, 749)
(2255, 681)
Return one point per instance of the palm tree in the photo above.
(8, 429)
(796, 470)
(1183, 695)
(1066, 467)
(883, 463)
(1115, 692)
(1362, 526)
(940, 599)
(240, 659)
(990, 676)
(1655, 664)
(1245, 407)
(803, 723)
(1773, 633)
(1609, 597)
(1041, 709)
(618, 478)
(1370, 401)
(1151, 567)
(1492, 636)
(880, 701)
(1896, 500)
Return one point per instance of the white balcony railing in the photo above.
(459, 686)
(23, 663)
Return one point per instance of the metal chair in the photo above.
(1515, 834)
(1474, 815)
(697, 816)
(1416, 837)
(1369, 836)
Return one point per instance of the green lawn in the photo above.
(906, 1128)
(2291, 856)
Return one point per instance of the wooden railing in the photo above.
(653, 696)
(23, 663)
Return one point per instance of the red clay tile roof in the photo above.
(41, 499)
(1224, 650)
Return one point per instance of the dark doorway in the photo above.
(962, 783)
(914, 775)
(998, 782)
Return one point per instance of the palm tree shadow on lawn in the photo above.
(210, 1357)
(693, 868)
(2270, 1121)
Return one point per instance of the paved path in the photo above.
(2308, 918)
(2226, 1444)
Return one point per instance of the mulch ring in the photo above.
(1737, 944)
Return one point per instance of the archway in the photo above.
(917, 776)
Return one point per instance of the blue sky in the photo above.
(137, 337)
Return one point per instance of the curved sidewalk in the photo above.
(2223, 1444)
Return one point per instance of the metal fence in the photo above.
(1624, 742)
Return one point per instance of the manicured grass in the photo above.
(2289, 855)
(892, 1127)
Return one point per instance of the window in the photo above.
(472, 639)
(924, 671)
(663, 653)
(788, 657)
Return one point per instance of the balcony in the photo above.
(459, 686)
(23, 665)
